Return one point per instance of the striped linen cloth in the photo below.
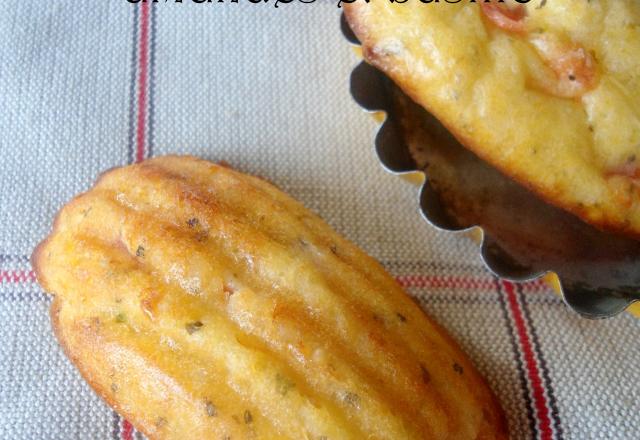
(85, 86)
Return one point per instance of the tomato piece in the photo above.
(629, 169)
(624, 181)
(574, 68)
(510, 19)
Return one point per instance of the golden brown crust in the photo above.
(54, 313)
(195, 299)
(574, 170)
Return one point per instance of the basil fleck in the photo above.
(193, 222)
(193, 327)
(352, 399)
(212, 411)
(426, 376)
(283, 384)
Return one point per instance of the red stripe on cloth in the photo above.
(127, 430)
(17, 276)
(440, 281)
(416, 281)
(143, 67)
(539, 399)
(466, 282)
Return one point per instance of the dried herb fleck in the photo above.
(140, 251)
(426, 376)
(193, 222)
(120, 318)
(283, 384)
(352, 399)
(228, 290)
(334, 249)
(202, 236)
(248, 418)
(458, 368)
(193, 327)
(401, 317)
(160, 422)
(114, 387)
(212, 411)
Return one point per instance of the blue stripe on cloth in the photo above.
(132, 87)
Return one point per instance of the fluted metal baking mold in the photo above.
(523, 237)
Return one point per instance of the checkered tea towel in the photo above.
(88, 85)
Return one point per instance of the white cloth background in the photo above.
(266, 90)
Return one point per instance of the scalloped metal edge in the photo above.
(587, 303)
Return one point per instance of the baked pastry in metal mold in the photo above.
(523, 238)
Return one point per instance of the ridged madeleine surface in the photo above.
(203, 303)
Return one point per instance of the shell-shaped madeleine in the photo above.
(204, 303)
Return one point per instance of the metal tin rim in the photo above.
(589, 303)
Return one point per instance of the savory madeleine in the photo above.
(547, 91)
(204, 303)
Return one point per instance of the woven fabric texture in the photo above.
(89, 86)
